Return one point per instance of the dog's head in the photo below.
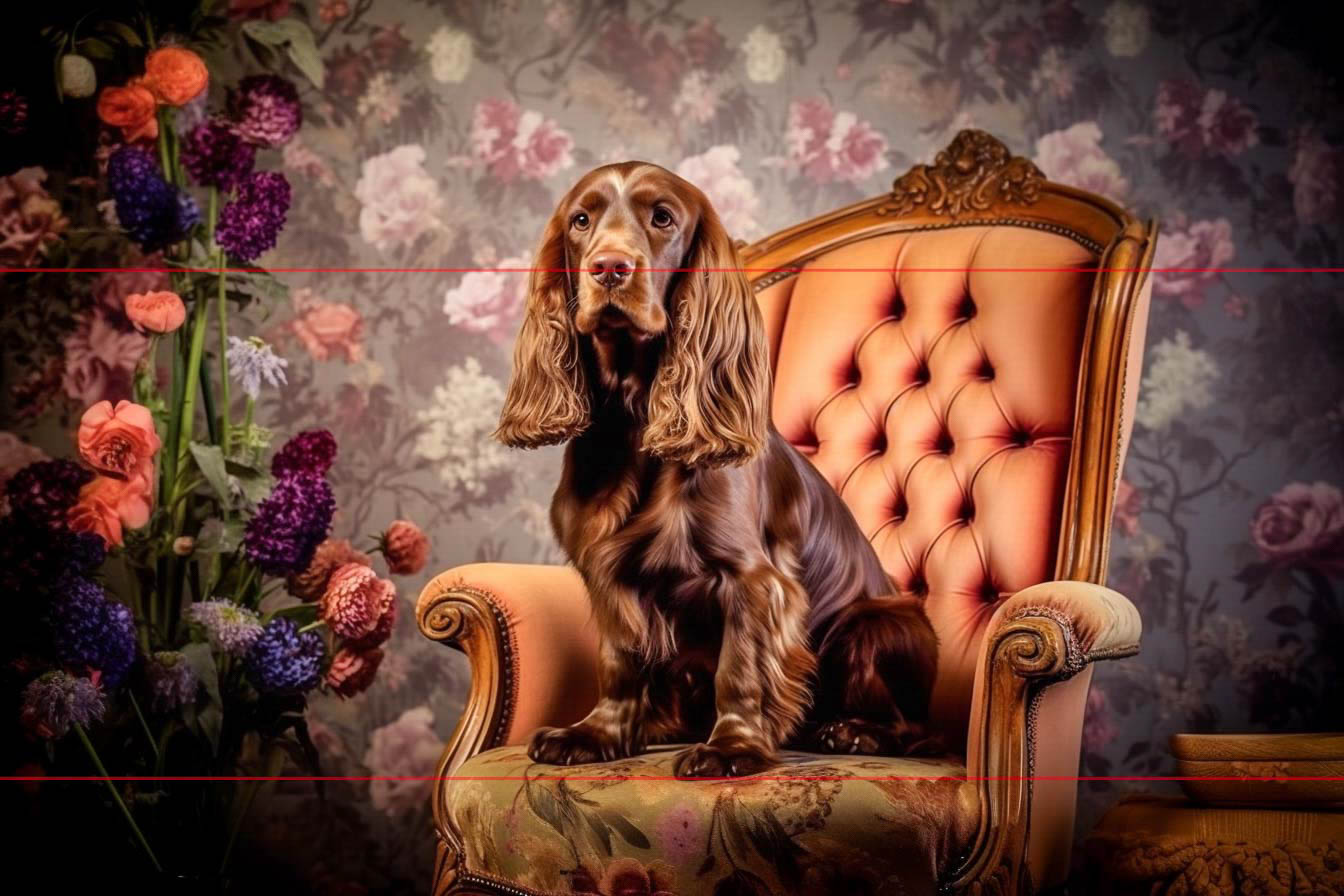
(635, 268)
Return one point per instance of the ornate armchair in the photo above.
(960, 358)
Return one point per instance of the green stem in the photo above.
(225, 437)
(193, 372)
(312, 625)
(135, 704)
(107, 779)
(253, 787)
(208, 400)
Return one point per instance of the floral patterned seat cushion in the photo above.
(815, 824)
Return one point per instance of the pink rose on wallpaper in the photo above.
(1128, 505)
(1176, 114)
(1315, 176)
(1098, 728)
(407, 746)
(731, 192)
(327, 329)
(1302, 525)
(399, 199)
(827, 145)
(1195, 253)
(1074, 156)
(490, 302)
(100, 360)
(1227, 124)
(856, 149)
(512, 143)
(29, 217)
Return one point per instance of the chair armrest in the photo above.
(531, 644)
(1027, 681)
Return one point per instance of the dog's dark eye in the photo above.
(579, 221)
(662, 217)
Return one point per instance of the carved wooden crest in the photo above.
(974, 172)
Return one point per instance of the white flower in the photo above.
(457, 430)
(406, 749)
(732, 193)
(1179, 378)
(450, 55)
(400, 200)
(698, 98)
(251, 361)
(765, 55)
(1126, 27)
(382, 99)
(1074, 156)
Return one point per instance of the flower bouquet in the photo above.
(182, 595)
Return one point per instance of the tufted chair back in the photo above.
(953, 357)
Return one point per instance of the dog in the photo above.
(739, 606)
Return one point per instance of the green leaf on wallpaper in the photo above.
(210, 461)
(297, 40)
(124, 31)
(219, 536)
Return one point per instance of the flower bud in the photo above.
(183, 545)
(78, 78)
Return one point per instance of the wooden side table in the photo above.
(1233, 838)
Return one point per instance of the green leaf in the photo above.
(211, 722)
(124, 32)
(210, 461)
(297, 40)
(255, 484)
(631, 834)
(202, 662)
(219, 536)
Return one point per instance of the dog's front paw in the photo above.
(734, 758)
(866, 738)
(576, 745)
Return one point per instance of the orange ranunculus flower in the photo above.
(157, 312)
(175, 74)
(108, 506)
(118, 441)
(130, 108)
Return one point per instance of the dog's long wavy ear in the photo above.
(548, 400)
(709, 403)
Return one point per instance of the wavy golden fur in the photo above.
(732, 589)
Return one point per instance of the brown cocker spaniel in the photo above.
(739, 605)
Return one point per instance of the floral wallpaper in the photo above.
(443, 133)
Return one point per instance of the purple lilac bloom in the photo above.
(289, 524)
(89, 629)
(285, 660)
(265, 110)
(55, 700)
(215, 156)
(251, 223)
(227, 627)
(172, 680)
(150, 209)
(311, 451)
(41, 493)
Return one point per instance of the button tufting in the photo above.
(879, 442)
(944, 444)
(986, 370)
(922, 374)
(966, 309)
(918, 587)
(901, 508)
(967, 510)
(988, 593)
(1021, 438)
(898, 308)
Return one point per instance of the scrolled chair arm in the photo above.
(531, 645)
(1032, 676)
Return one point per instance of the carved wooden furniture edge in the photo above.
(1035, 647)
(472, 620)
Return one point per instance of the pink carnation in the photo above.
(353, 601)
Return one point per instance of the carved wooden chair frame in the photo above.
(974, 181)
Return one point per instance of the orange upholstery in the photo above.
(939, 403)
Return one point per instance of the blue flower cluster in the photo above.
(150, 209)
(284, 660)
(89, 629)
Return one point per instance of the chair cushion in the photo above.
(815, 824)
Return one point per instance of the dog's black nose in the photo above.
(611, 268)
